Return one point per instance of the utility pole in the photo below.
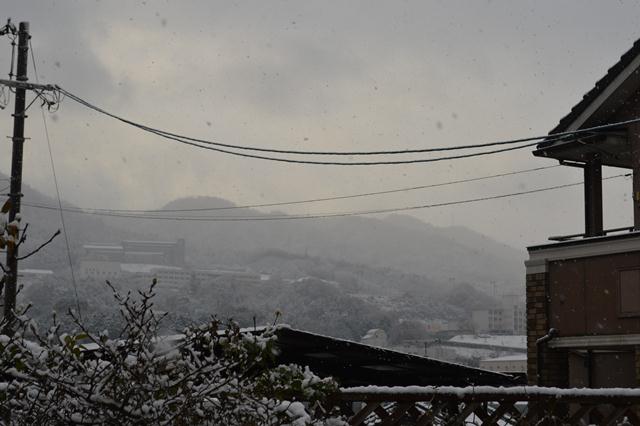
(15, 195)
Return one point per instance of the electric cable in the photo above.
(316, 200)
(347, 153)
(318, 215)
(55, 181)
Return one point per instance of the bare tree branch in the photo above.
(23, 237)
(41, 246)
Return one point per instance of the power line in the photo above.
(347, 153)
(318, 215)
(340, 163)
(292, 161)
(55, 181)
(316, 200)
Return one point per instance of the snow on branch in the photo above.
(214, 374)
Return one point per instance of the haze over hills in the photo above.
(443, 254)
(397, 241)
(371, 272)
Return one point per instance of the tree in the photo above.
(214, 373)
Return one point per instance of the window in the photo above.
(629, 293)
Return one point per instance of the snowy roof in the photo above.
(101, 247)
(144, 268)
(164, 243)
(36, 271)
(354, 364)
(518, 357)
(374, 332)
(357, 364)
(531, 391)
(507, 341)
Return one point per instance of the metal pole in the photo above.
(16, 172)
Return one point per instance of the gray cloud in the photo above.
(320, 75)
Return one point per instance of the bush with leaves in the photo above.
(212, 374)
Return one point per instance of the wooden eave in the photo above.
(597, 107)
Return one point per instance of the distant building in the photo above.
(436, 326)
(169, 253)
(106, 261)
(506, 364)
(508, 317)
(141, 261)
(466, 349)
(28, 277)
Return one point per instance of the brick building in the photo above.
(587, 286)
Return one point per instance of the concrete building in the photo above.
(170, 253)
(139, 262)
(508, 317)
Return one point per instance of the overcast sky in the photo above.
(320, 75)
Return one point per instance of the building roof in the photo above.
(601, 85)
(506, 341)
(35, 271)
(157, 243)
(357, 364)
(144, 268)
(518, 357)
(101, 247)
(596, 108)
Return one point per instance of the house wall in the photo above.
(590, 293)
(555, 370)
(585, 295)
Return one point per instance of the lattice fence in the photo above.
(489, 406)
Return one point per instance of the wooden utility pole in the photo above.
(15, 195)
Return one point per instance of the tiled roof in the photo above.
(599, 87)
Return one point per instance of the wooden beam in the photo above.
(398, 413)
(593, 197)
(361, 415)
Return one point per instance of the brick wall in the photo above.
(637, 365)
(556, 364)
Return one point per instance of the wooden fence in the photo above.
(484, 405)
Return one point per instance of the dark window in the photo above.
(629, 295)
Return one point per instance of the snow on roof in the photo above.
(509, 341)
(472, 352)
(36, 271)
(518, 357)
(166, 243)
(373, 332)
(474, 390)
(101, 247)
(144, 268)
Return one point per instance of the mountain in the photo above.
(446, 254)
(339, 276)
(400, 242)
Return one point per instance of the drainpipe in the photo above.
(540, 346)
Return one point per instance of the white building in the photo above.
(508, 317)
